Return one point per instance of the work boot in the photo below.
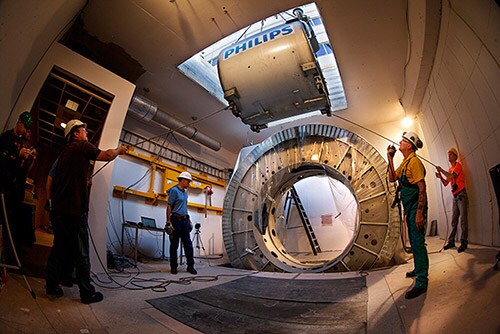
(54, 292)
(173, 271)
(94, 298)
(415, 292)
(411, 274)
(462, 247)
(192, 270)
(449, 245)
(68, 282)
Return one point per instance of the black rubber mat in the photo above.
(266, 305)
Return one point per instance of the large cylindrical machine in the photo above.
(255, 230)
(273, 75)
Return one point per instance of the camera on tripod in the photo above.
(197, 226)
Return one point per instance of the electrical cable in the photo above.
(183, 126)
(446, 218)
(397, 201)
(379, 135)
(243, 34)
(181, 146)
(168, 133)
(127, 188)
(408, 57)
(159, 284)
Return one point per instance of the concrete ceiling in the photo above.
(369, 38)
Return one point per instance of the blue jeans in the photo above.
(182, 228)
(460, 202)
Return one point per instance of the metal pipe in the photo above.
(148, 110)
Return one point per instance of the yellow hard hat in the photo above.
(454, 151)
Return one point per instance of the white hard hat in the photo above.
(414, 139)
(71, 124)
(185, 175)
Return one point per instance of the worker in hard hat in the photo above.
(16, 158)
(70, 205)
(455, 176)
(178, 224)
(411, 174)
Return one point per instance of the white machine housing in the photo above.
(273, 75)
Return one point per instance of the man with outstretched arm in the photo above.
(70, 205)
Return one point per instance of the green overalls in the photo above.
(409, 197)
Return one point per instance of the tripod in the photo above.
(197, 242)
(14, 252)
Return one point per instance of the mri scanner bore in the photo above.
(316, 218)
(312, 198)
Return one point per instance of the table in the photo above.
(138, 227)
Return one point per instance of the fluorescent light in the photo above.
(72, 105)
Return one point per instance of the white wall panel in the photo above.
(447, 103)
(465, 36)
(490, 70)
(427, 121)
(475, 13)
(448, 80)
(438, 112)
(464, 102)
(477, 110)
(487, 97)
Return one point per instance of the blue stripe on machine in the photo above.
(251, 42)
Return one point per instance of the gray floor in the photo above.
(463, 297)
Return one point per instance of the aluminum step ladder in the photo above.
(305, 221)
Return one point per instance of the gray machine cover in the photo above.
(273, 75)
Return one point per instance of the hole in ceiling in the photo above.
(202, 67)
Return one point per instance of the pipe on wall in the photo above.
(148, 110)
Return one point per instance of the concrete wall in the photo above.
(461, 108)
(28, 29)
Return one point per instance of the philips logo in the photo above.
(257, 40)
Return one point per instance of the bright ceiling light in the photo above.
(63, 125)
(407, 122)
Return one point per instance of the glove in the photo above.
(169, 228)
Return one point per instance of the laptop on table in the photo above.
(149, 222)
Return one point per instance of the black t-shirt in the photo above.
(70, 188)
(10, 163)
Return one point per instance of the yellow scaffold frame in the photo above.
(200, 181)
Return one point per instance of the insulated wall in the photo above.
(461, 108)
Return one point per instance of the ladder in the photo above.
(305, 222)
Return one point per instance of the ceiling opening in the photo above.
(202, 67)
(64, 97)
